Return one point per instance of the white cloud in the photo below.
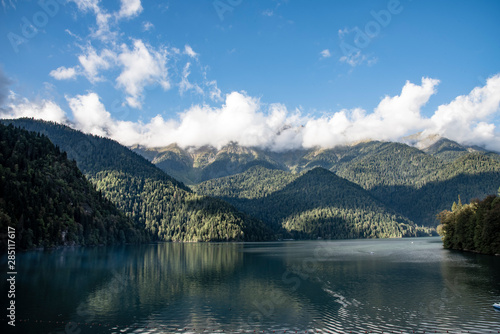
(244, 119)
(141, 66)
(189, 51)
(75, 36)
(86, 5)
(63, 73)
(147, 26)
(90, 115)
(103, 31)
(393, 118)
(185, 85)
(22, 107)
(104, 20)
(92, 63)
(465, 119)
(214, 93)
(129, 8)
(357, 58)
(325, 53)
(239, 119)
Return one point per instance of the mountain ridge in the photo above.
(48, 200)
(205, 163)
(311, 204)
(391, 189)
(163, 206)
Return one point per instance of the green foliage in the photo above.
(153, 200)
(312, 204)
(49, 201)
(471, 176)
(473, 227)
(376, 189)
(417, 184)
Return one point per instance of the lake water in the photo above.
(315, 286)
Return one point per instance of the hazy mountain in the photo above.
(154, 200)
(388, 162)
(193, 165)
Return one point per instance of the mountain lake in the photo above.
(359, 286)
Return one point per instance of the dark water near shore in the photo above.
(327, 286)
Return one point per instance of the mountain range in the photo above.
(416, 183)
(157, 203)
(368, 189)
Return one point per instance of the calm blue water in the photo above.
(322, 286)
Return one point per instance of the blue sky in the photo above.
(331, 72)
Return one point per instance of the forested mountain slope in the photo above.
(417, 184)
(312, 204)
(154, 200)
(371, 188)
(49, 202)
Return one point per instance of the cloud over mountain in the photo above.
(244, 119)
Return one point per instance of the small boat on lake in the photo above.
(496, 306)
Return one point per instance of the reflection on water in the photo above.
(360, 285)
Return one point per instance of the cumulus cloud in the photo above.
(105, 21)
(393, 118)
(465, 119)
(141, 66)
(239, 119)
(89, 114)
(22, 107)
(129, 8)
(103, 30)
(189, 51)
(325, 53)
(244, 119)
(63, 73)
(92, 63)
(147, 26)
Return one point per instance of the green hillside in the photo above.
(312, 204)
(414, 183)
(371, 189)
(49, 202)
(154, 200)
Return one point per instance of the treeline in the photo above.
(173, 214)
(49, 202)
(310, 205)
(474, 226)
(154, 201)
(418, 184)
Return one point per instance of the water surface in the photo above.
(327, 286)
